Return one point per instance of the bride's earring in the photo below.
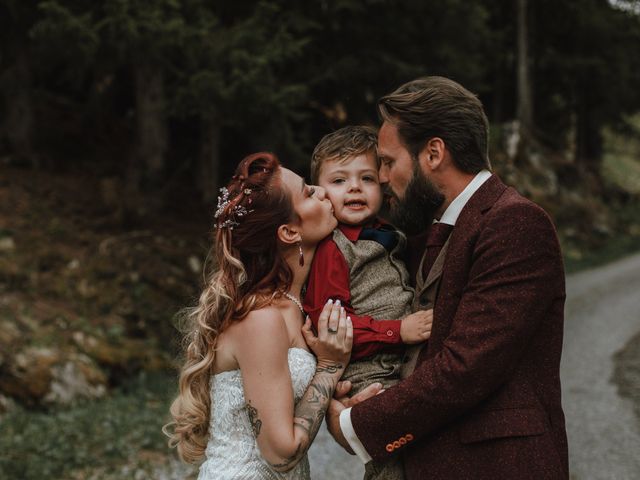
(301, 257)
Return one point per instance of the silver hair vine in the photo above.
(237, 211)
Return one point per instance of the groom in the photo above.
(482, 399)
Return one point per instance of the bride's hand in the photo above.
(333, 343)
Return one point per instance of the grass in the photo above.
(615, 249)
(620, 170)
(612, 248)
(621, 160)
(115, 437)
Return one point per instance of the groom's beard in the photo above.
(415, 212)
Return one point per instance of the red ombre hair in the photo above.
(249, 273)
(256, 187)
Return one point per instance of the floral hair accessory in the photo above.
(223, 201)
(236, 211)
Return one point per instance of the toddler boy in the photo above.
(361, 265)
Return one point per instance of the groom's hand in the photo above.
(340, 402)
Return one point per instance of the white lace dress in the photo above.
(232, 451)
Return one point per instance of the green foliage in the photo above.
(585, 47)
(65, 37)
(619, 246)
(621, 161)
(102, 434)
(232, 70)
(278, 74)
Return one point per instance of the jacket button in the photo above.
(389, 448)
(403, 441)
(389, 333)
(409, 437)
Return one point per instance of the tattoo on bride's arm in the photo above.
(292, 459)
(310, 411)
(319, 393)
(330, 368)
(256, 423)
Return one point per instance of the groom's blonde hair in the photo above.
(343, 144)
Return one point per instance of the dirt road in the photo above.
(603, 313)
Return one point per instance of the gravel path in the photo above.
(329, 461)
(603, 313)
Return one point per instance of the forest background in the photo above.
(120, 119)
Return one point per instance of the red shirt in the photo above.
(329, 278)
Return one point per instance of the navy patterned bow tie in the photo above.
(385, 235)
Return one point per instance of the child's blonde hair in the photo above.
(345, 143)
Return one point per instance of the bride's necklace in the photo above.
(296, 301)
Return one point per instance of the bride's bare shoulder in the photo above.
(267, 321)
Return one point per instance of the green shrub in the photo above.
(97, 435)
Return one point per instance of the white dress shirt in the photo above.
(450, 216)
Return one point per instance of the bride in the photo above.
(251, 394)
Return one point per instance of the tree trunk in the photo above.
(209, 158)
(19, 120)
(525, 102)
(589, 142)
(151, 126)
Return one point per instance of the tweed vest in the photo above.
(379, 287)
(378, 280)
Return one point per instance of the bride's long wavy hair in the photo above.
(248, 274)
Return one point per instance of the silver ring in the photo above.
(332, 331)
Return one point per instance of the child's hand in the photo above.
(416, 328)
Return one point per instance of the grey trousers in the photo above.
(383, 368)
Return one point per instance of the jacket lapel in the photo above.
(471, 215)
(455, 270)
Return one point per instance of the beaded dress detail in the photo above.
(232, 451)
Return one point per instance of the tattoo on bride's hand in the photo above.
(256, 423)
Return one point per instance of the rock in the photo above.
(73, 264)
(27, 375)
(6, 404)
(49, 376)
(124, 354)
(7, 244)
(9, 335)
(195, 264)
(85, 289)
(84, 341)
(78, 377)
(511, 138)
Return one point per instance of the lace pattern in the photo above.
(232, 451)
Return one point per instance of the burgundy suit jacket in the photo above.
(484, 399)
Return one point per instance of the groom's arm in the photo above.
(516, 274)
(337, 412)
